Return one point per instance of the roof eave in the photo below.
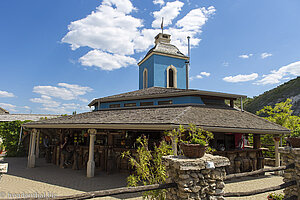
(161, 127)
(162, 54)
(174, 94)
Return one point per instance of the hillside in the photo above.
(290, 89)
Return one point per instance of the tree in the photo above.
(149, 168)
(9, 132)
(280, 114)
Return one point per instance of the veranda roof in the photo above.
(24, 117)
(210, 117)
(161, 92)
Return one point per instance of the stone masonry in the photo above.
(290, 156)
(199, 179)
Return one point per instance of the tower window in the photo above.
(145, 78)
(171, 76)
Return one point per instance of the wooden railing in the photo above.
(126, 190)
(263, 190)
(110, 192)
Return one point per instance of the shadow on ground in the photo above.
(73, 179)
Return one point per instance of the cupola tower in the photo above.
(163, 66)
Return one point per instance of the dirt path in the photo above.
(48, 179)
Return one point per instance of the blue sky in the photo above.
(56, 56)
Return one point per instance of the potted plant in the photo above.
(294, 138)
(196, 142)
(274, 196)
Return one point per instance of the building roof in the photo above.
(3, 111)
(24, 117)
(212, 118)
(162, 48)
(160, 92)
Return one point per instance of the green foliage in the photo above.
(195, 135)
(9, 132)
(280, 114)
(149, 168)
(275, 196)
(198, 135)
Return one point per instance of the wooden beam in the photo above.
(271, 169)
(117, 191)
(259, 191)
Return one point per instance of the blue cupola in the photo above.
(163, 66)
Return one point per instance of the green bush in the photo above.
(275, 196)
(149, 168)
(9, 132)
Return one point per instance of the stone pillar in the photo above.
(90, 170)
(200, 178)
(289, 156)
(37, 147)
(277, 155)
(31, 156)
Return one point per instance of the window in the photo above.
(171, 76)
(114, 105)
(129, 104)
(145, 78)
(146, 103)
(165, 102)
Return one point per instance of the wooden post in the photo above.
(37, 147)
(256, 141)
(231, 103)
(91, 163)
(277, 155)
(174, 145)
(31, 156)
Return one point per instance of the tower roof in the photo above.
(163, 47)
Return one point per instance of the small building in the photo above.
(162, 103)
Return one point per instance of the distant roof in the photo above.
(160, 92)
(212, 118)
(3, 111)
(165, 49)
(24, 117)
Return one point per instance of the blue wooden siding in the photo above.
(175, 100)
(157, 71)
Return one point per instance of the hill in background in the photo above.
(290, 89)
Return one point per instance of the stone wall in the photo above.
(290, 156)
(200, 178)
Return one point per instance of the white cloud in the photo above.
(46, 101)
(277, 75)
(225, 64)
(240, 78)
(169, 12)
(6, 94)
(205, 74)
(65, 92)
(246, 56)
(265, 55)
(199, 76)
(160, 2)
(8, 107)
(106, 61)
(114, 35)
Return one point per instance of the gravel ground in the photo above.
(50, 180)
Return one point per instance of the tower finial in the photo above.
(162, 25)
